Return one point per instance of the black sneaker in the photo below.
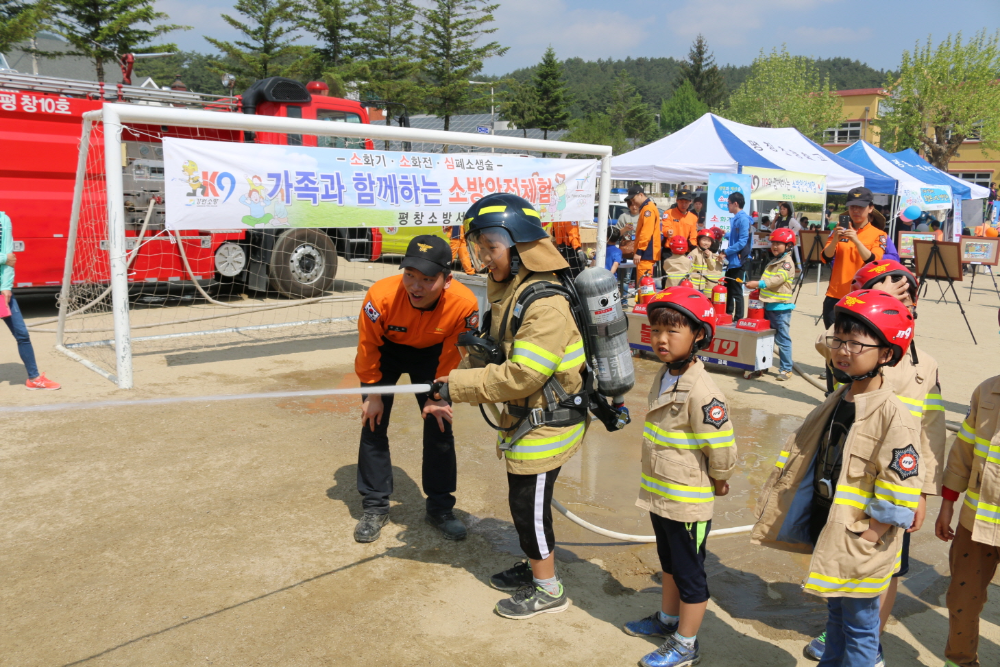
(370, 527)
(531, 601)
(450, 527)
(510, 580)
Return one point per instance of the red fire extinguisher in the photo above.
(646, 288)
(719, 298)
(756, 309)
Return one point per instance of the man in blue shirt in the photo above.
(736, 254)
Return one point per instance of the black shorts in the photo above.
(530, 498)
(904, 559)
(682, 557)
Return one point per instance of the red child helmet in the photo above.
(717, 233)
(880, 269)
(783, 235)
(690, 302)
(678, 244)
(890, 319)
(706, 232)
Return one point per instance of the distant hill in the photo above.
(590, 80)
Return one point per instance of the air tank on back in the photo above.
(607, 330)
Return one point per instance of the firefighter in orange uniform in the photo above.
(566, 234)
(678, 220)
(648, 237)
(410, 324)
(458, 248)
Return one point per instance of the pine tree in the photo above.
(552, 112)
(448, 45)
(20, 21)
(519, 105)
(700, 69)
(269, 47)
(682, 109)
(97, 29)
(330, 21)
(629, 112)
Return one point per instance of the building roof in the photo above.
(861, 91)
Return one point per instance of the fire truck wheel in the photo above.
(230, 259)
(303, 263)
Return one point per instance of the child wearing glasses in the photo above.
(847, 484)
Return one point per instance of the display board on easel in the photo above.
(940, 261)
(981, 251)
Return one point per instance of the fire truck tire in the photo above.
(303, 263)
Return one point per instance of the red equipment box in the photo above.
(753, 324)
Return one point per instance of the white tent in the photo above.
(715, 145)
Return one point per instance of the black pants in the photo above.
(734, 292)
(682, 556)
(828, 314)
(439, 472)
(530, 498)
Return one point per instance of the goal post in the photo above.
(102, 258)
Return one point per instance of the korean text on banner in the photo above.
(218, 185)
(927, 198)
(720, 186)
(956, 225)
(778, 185)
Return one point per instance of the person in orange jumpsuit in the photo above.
(679, 220)
(458, 248)
(409, 323)
(566, 234)
(648, 235)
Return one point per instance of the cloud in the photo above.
(833, 35)
(703, 16)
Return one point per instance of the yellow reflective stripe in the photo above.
(782, 459)
(682, 440)
(532, 212)
(987, 451)
(933, 402)
(849, 495)
(492, 209)
(897, 495)
(531, 449)
(967, 432)
(826, 584)
(573, 357)
(678, 492)
(987, 512)
(775, 295)
(534, 357)
(912, 403)
(972, 500)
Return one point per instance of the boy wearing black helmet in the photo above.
(525, 357)
(688, 451)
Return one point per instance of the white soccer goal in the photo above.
(133, 286)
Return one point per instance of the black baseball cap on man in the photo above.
(860, 197)
(430, 255)
(633, 191)
(685, 193)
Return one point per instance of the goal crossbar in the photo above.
(113, 116)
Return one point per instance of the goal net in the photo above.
(135, 287)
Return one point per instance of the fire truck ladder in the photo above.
(93, 90)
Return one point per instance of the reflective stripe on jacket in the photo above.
(676, 268)
(687, 442)
(917, 387)
(704, 269)
(547, 344)
(778, 280)
(974, 464)
(878, 444)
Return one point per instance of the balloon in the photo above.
(911, 213)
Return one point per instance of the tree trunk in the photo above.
(447, 128)
(100, 67)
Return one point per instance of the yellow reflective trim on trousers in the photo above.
(492, 209)
(532, 449)
(572, 358)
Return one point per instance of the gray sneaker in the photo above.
(370, 527)
(531, 601)
(510, 580)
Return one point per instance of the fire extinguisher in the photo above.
(756, 309)
(647, 287)
(719, 298)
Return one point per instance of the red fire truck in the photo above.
(40, 125)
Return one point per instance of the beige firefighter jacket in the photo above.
(547, 343)
(705, 269)
(918, 388)
(686, 443)
(974, 464)
(676, 268)
(778, 280)
(880, 463)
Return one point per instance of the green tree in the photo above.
(682, 109)
(268, 48)
(700, 69)
(193, 69)
(20, 21)
(519, 105)
(552, 112)
(97, 29)
(943, 96)
(449, 47)
(785, 91)
(597, 128)
(330, 22)
(629, 112)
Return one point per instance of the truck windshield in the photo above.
(338, 117)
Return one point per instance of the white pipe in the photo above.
(603, 199)
(117, 252)
(630, 538)
(89, 364)
(74, 223)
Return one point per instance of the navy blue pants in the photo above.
(17, 327)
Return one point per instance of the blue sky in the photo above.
(875, 31)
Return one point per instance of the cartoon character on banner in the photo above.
(280, 212)
(256, 201)
(560, 192)
(191, 177)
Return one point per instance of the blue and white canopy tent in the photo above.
(715, 145)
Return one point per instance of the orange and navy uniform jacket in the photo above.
(685, 224)
(392, 331)
(648, 237)
(847, 260)
(455, 233)
(566, 233)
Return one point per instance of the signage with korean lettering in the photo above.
(780, 185)
(219, 185)
(720, 186)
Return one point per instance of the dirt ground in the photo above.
(221, 533)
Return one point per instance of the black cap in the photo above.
(430, 255)
(633, 191)
(685, 193)
(860, 197)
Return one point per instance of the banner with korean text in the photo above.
(720, 186)
(219, 185)
(793, 186)
(927, 198)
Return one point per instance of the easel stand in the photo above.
(975, 270)
(934, 259)
(815, 250)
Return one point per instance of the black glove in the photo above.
(440, 389)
